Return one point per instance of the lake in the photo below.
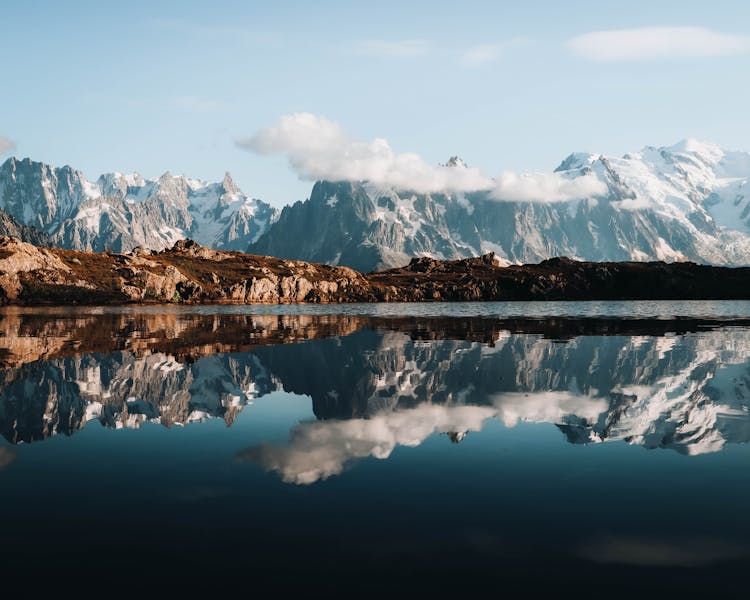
(370, 450)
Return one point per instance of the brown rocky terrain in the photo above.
(188, 273)
(33, 334)
(425, 279)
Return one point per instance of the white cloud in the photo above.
(394, 48)
(546, 187)
(546, 407)
(6, 145)
(655, 43)
(318, 450)
(318, 148)
(321, 449)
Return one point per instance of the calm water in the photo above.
(586, 448)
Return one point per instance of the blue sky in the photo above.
(157, 86)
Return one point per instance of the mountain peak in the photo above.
(230, 187)
(694, 145)
(13, 161)
(457, 436)
(575, 160)
(120, 211)
(455, 161)
(709, 151)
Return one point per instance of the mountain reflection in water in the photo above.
(378, 382)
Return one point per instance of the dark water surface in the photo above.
(574, 448)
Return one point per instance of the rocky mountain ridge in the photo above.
(681, 202)
(118, 212)
(189, 273)
(26, 233)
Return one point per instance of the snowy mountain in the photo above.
(119, 212)
(682, 202)
(687, 393)
(25, 233)
(121, 390)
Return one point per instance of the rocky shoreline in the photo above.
(189, 273)
(29, 335)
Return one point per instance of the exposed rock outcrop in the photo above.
(683, 202)
(189, 273)
(186, 273)
(60, 207)
(26, 233)
(482, 278)
(22, 263)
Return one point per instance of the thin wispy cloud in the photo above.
(6, 145)
(657, 43)
(476, 56)
(486, 54)
(655, 552)
(318, 148)
(196, 104)
(394, 48)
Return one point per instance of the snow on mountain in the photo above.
(681, 202)
(687, 393)
(124, 391)
(121, 211)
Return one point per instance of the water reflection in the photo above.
(376, 383)
(320, 449)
